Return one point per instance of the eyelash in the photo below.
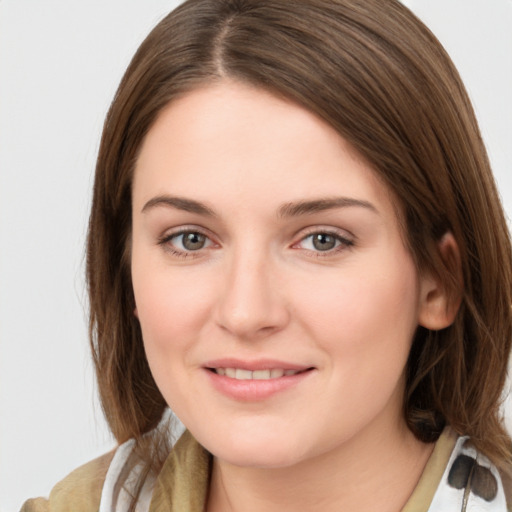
(344, 243)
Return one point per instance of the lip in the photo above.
(255, 390)
(260, 364)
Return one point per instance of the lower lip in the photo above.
(252, 390)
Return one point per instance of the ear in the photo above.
(438, 302)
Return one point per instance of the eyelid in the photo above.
(330, 230)
(179, 230)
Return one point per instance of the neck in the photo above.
(366, 473)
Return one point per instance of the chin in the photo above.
(267, 457)
(263, 449)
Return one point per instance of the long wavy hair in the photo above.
(379, 77)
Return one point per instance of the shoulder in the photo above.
(506, 478)
(458, 477)
(80, 491)
(472, 481)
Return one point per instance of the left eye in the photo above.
(323, 242)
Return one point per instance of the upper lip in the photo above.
(259, 364)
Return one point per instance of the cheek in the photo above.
(172, 311)
(372, 308)
(172, 305)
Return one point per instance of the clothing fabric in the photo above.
(456, 478)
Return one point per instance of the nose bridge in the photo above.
(250, 304)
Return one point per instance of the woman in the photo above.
(296, 244)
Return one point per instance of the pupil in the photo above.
(193, 241)
(324, 242)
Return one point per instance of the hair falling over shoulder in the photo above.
(377, 75)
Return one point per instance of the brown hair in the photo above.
(375, 73)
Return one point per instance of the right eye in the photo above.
(185, 242)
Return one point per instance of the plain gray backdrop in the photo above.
(60, 63)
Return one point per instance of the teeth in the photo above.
(261, 374)
(241, 374)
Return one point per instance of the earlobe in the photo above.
(440, 300)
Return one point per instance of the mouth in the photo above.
(255, 381)
(263, 374)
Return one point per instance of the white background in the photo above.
(60, 63)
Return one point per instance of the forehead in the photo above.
(233, 141)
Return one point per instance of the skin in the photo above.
(260, 288)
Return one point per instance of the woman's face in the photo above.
(275, 294)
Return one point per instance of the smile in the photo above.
(255, 381)
(242, 374)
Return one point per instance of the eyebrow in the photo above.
(180, 203)
(319, 205)
(293, 209)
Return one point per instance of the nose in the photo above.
(251, 304)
